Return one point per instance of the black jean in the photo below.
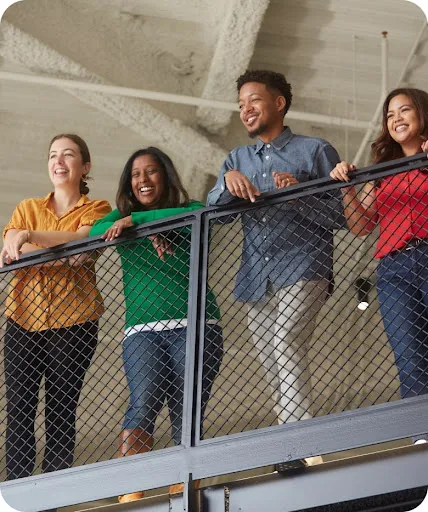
(62, 356)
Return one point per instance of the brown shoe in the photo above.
(179, 488)
(176, 488)
(133, 496)
(132, 442)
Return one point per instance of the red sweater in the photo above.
(402, 205)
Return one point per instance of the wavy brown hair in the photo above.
(84, 151)
(174, 194)
(385, 148)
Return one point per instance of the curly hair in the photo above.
(174, 195)
(385, 148)
(274, 82)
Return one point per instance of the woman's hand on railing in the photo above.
(13, 242)
(4, 258)
(424, 146)
(116, 229)
(342, 170)
(341, 173)
(161, 245)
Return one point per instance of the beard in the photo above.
(257, 131)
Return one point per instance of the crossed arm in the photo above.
(17, 242)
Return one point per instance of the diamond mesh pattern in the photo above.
(285, 363)
(41, 434)
(301, 352)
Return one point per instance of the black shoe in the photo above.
(292, 465)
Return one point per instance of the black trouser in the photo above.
(62, 356)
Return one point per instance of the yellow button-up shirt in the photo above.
(60, 296)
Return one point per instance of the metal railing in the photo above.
(226, 410)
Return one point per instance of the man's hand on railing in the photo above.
(116, 229)
(162, 245)
(284, 179)
(240, 186)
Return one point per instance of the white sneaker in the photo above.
(420, 441)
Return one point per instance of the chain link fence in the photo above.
(82, 330)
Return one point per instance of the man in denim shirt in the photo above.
(286, 263)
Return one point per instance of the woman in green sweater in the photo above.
(156, 286)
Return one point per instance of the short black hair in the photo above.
(271, 79)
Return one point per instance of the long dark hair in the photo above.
(174, 194)
(385, 148)
(84, 151)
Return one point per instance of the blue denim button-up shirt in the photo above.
(289, 242)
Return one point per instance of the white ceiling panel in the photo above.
(330, 50)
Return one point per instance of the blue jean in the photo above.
(402, 283)
(154, 363)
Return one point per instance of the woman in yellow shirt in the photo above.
(52, 312)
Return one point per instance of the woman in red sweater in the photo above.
(399, 205)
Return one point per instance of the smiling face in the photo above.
(404, 125)
(65, 164)
(147, 181)
(261, 111)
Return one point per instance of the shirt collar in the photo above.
(278, 143)
(84, 199)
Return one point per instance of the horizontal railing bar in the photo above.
(95, 242)
(319, 186)
(331, 483)
(317, 436)
(229, 454)
(298, 191)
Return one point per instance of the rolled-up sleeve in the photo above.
(17, 220)
(219, 194)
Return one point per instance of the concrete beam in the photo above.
(205, 157)
(232, 56)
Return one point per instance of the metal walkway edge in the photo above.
(330, 483)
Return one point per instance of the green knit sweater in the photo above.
(155, 290)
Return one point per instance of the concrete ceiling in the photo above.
(330, 51)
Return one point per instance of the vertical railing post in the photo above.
(192, 338)
(193, 362)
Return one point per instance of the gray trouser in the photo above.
(282, 327)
